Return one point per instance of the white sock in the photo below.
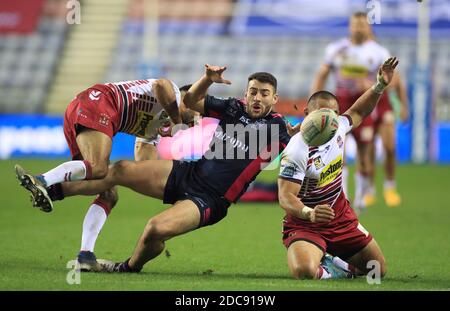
(345, 180)
(322, 273)
(389, 184)
(371, 189)
(68, 171)
(358, 189)
(92, 225)
(363, 183)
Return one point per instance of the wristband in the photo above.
(306, 212)
(380, 86)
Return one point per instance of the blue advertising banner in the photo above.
(42, 136)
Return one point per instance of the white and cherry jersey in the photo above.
(317, 169)
(140, 113)
(350, 61)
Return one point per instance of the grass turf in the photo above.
(242, 252)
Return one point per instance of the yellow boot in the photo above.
(392, 198)
(369, 199)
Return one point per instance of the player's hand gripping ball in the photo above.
(319, 127)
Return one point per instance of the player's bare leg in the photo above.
(307, 261)
(361, 260)
(95, 148)
(146, 177)
(387, 134)
(304, 260)
(181, 218)
(99, 211)
(364, 169)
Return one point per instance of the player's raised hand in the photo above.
(215, 74)
(386, 71)
(322, 213)
(292, 130)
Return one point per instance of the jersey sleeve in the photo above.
(294, 160)
(330, 52)
(218, 108)
(346, 122)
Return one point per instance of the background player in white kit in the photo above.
(319, 218)
(354, 62)
(139, 108)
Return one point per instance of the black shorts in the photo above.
(184, 184)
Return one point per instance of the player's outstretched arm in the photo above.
(367, 102)
(287, 196)
(321, 78)
(194, 98)
(399, 87)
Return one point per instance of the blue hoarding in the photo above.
(42, 136)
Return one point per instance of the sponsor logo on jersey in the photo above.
(318, 163)
(94, 95)
(330, 172)
(143, 121)
(340, 141)
(81, 114)
(288, 170)
(353, 71)
(104, 119)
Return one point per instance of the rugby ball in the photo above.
(319, 127)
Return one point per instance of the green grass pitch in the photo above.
(242, 252)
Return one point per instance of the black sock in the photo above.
(55, 192)
(125, 267)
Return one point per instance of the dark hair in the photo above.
(321, 95)
(264, 77)
(185, 87)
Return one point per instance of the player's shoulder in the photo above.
(275, 117)
(338, 44)
(345, 122)
(376, 46)
(296, 147)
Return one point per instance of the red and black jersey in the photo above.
(241, 147)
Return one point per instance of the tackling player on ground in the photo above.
(319, 218)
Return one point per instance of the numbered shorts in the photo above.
(93, 108)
